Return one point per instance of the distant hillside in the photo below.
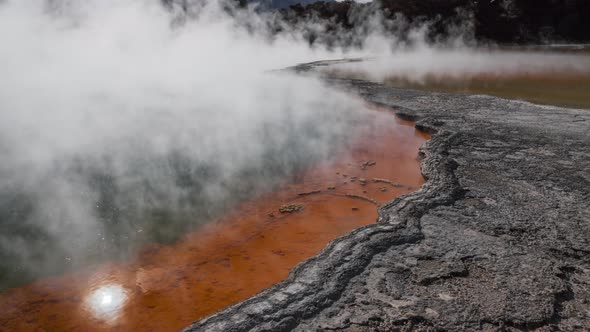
(279, 4)
(264, 4)
(504, 21)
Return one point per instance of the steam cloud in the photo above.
(422, 62)
(124, 122)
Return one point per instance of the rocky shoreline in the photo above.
(498, 239)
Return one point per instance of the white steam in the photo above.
(126, 121)
(422, 62)
(122, 120)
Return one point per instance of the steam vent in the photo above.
(284, 165)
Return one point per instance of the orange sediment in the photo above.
(251, 248)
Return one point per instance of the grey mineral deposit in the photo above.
(496, 240)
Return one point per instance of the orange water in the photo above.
(251, 248)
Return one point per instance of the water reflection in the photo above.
(106, 302)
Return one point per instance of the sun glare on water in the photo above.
(106, 302)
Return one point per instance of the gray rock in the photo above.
(496, 240)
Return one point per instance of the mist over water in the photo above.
(121, 126)
(422, 62)
(129, 122)
(542, 75)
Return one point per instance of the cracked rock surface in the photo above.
(498, 239)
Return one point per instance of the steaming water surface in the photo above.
(146, 153)
(545, 75)
(139, 147)
(120, 126)
(250, 248)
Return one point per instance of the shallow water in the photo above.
(567, 89)
(250, 248)
(552, 75)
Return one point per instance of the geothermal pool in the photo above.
(250, 248)
(543, 75)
